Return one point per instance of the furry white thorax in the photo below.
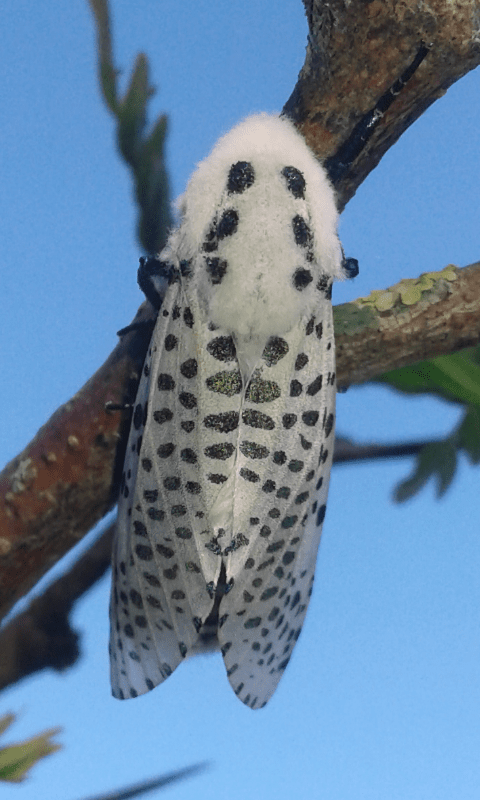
(256, 298)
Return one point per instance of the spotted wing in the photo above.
(286, 440)
(167, 556)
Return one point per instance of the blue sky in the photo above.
(382, 696)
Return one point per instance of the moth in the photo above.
(225, 481)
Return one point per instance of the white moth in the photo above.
(228, 461)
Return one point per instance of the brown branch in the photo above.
(348, 452)
(445, 318)
(64, 481)
(357, 50)
(41, 637)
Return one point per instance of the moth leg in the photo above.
(153, 277)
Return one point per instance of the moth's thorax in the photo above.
(257, 295)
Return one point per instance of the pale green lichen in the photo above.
(352, 318)
(409, 291)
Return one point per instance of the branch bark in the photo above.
(64, 481)
(41, 636)
(445, 318)
(357, 50)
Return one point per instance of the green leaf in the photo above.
(152, 189)
(144, 154)
(17, 759)
(108, 73)
(455, 377)
(435, 460)
(468, 434)
(132, 114)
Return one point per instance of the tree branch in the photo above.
(357, 50)
(413, 321)
(64, 481)
(348, 452)
(41, 636)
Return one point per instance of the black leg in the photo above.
(150, 271)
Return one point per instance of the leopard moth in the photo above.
(228, 460)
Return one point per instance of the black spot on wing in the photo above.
(162, 415)
(188, 317)
(171, 483)
(249, 475)
(211, 242)
(220, 451)
(165, 382)
(139, 416)
(144, 552)
(260, 391)
(253, 450)
(227, 383)
(255, 419)
(324, 285)
(171, 342)
(328, 425)
(216, 268)
(275, 349)
(321, 514)
(189, 368)
(223, 423)
(296, 388)
(222, 348)
(187, 400)
(301, 361)
(216, 478)
(315, 386)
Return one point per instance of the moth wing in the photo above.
(280, 501)
(162, 566)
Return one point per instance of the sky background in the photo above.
(382, 696)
